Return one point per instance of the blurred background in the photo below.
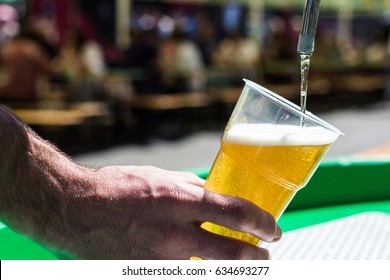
(154, 82)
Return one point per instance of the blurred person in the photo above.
(207, 40)
(180, 64)
(282, 36)
(80, 56)
(81, 65)
(376, 49)
(9, 26)
(25, 63)
(117, 212)
(237, 53)
(141, 57)
(47, 27)
(328, 54)
(386, 94)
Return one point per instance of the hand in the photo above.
(117, 212)
(150, 213)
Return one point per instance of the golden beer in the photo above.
(265, 164)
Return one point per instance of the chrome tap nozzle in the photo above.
(309, 27)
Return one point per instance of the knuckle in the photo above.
(242, 215)
(249, 218)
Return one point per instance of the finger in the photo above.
(239, 214)
(217, 247)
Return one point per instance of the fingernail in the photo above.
(278, 234)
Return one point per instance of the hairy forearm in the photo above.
(36, 183)
(60, 204)
(14, 143)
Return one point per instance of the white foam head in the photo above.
(279, 135)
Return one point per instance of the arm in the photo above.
(117, 212)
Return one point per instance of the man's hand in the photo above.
(150, 213)
(117, 212)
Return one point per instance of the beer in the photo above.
(266, 164)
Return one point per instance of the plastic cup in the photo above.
(267, 153)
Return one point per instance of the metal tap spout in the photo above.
(309, 27)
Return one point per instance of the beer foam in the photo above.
(279, 135)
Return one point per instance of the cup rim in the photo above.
(287, 103)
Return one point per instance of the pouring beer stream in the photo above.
(306, 47)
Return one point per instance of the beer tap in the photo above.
(309, 27)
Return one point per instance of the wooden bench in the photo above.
(167, 115)
(230, 96)
(170, 101)
(70, 115)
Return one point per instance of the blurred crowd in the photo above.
(159, 59)
(164, 55)
(33, 64)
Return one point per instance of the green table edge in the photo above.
(292, 220)
(343, 180)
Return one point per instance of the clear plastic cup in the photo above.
(267, 153)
